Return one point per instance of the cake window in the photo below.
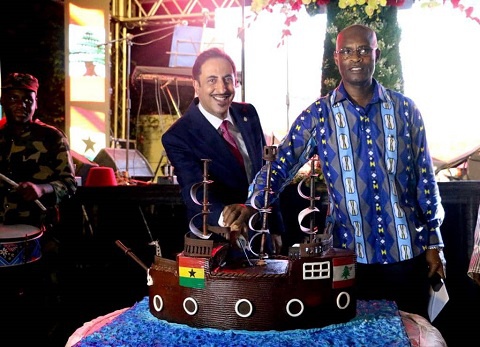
(317, 270)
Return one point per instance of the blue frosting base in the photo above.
(377, 323)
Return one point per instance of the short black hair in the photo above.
(214, 52)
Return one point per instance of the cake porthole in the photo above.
(295, 308)
(343, 300)
(157, 303)
(243, 308)
(190, 306)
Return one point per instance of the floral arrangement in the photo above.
(290, 8)
(370, 7)
(313, 7)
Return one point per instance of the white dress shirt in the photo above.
(216, 122)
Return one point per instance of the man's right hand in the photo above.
(476, 278)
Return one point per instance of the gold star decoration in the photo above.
(89, 144)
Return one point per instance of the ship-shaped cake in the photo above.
(311, 287)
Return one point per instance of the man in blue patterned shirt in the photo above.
(384, 200)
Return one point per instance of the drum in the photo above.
(19, 244)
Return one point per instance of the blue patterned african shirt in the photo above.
(384, 200)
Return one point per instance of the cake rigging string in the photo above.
(158, 250)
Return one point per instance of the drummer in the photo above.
(36, 168)
(33, 154)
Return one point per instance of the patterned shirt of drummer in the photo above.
(40, 155)
(384, 202)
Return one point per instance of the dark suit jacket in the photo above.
(192, 138)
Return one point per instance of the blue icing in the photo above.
(377, 324)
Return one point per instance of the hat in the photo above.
(19, 80)
(101, 176)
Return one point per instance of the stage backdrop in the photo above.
(87, 79)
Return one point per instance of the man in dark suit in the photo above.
(197, 135)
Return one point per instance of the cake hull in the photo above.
(284, 294)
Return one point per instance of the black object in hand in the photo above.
(436, 281)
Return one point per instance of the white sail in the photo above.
(197, 232)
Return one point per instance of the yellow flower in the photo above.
(306, 2)
(369, 10)
(430, 4)
(258, 5)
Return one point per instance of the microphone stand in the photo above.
(127, 93)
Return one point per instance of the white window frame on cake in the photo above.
(316, 270)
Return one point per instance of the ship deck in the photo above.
(271, 267)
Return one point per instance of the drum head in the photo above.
(18, 232)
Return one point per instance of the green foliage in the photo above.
(388, 70)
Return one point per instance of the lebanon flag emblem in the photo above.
(343, 272)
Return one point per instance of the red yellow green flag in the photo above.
(191, 271)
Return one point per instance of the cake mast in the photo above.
(314, 243)
(203, 243)
(269, 155)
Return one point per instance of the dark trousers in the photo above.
(26, 300)
(405, 282)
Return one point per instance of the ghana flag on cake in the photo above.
(191, 271)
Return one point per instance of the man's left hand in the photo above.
(434, 262)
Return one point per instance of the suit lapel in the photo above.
(244, 125)
(209, 140)
(248, 126)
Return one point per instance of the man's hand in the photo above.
(476, 278)
(31, 191)
(277, 243)
(236, 216)
(434, 262)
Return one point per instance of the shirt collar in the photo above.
(378, 93)
(214, 120)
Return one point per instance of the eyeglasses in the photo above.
(348, 52)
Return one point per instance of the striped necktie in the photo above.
(227, 135)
